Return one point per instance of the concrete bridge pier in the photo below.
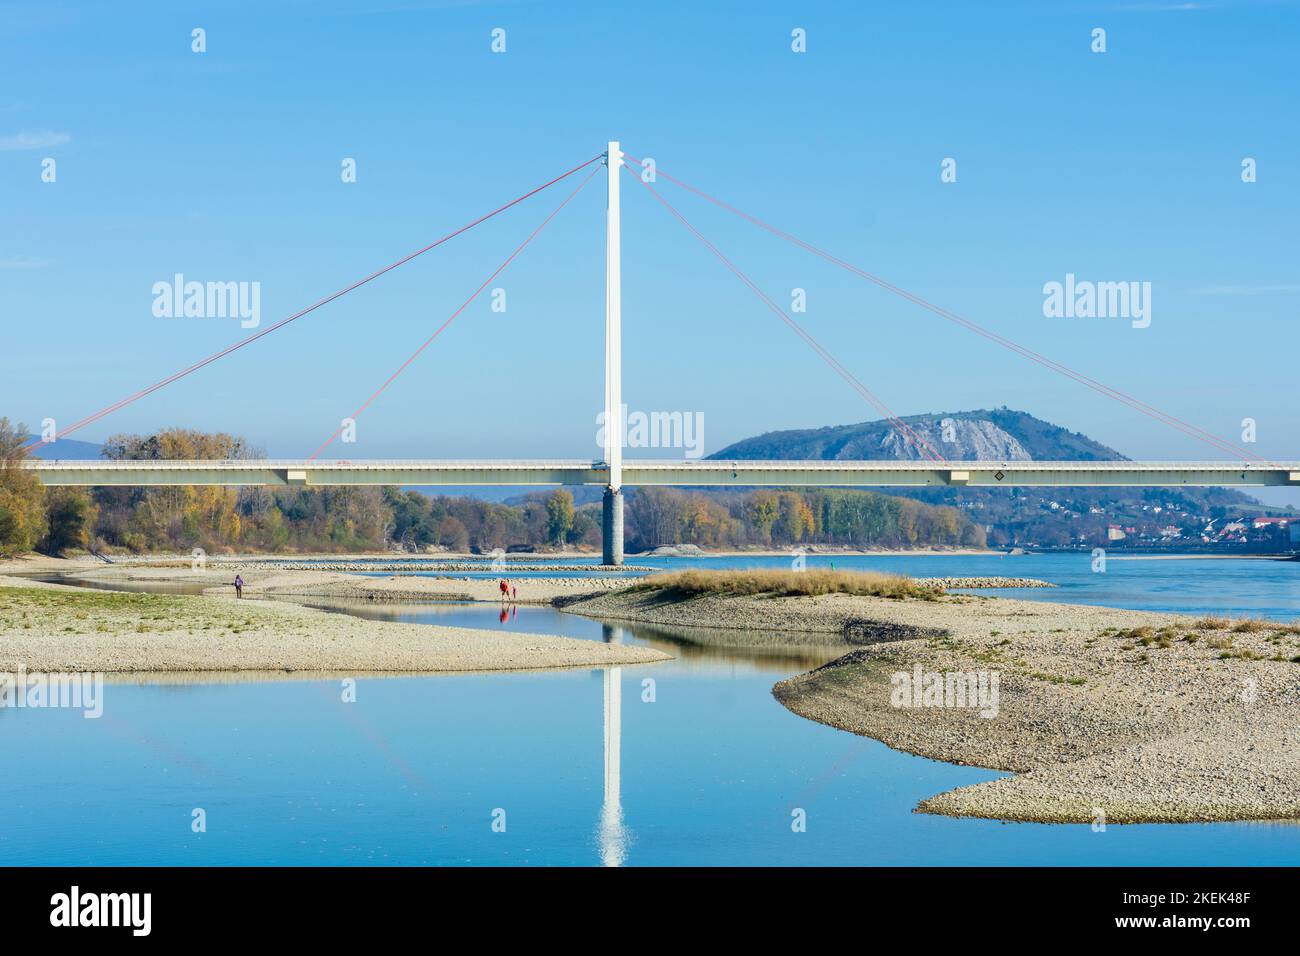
(611, 527)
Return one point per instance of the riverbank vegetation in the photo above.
(773, 518)
(22, 511)
(343, 519)
(782, 583)
(38, 610)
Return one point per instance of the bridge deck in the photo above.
(880, 474)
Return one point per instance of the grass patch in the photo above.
(784, 583)
(51, 610)
(1211, 624)
(1059, 679)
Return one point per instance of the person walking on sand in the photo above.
(239, 586)
(505, 590)
(514, 593)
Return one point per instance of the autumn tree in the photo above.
(763, 508)
(70, 515)
(22, 508)
(794, 518)
(452, 534)
(559, 514)
(656, 516)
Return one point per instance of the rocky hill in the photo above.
(984, 435)
(1031, 517)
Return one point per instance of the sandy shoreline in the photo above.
(52, 627)
(291, 583)
(1142, 716)
(294, 584)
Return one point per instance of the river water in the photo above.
(687, 762)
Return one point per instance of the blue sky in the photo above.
(225, 166)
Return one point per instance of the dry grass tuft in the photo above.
(1253, 625)
(791, 583)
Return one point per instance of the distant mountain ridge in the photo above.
(1000, 434)
(66, 448)
(1033, 517)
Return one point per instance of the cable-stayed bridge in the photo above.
(702, 473)
(930, 468)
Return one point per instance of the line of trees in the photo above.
(467, 524)
(367, 519)
(23, 520)
(668, 516)
(218, 519)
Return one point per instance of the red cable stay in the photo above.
(122, 403)
(1164, 418)
(922, 445)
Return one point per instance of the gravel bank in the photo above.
(984, 583)
(841, 615)
(50, 627)
(1196, 725)
(1144, 717)
(407, 566)
(280, 583)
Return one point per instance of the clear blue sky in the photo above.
(225, 166)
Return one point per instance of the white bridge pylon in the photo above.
(612, 504)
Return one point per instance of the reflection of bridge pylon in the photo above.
(613, 834)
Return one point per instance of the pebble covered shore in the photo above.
(1139, 717)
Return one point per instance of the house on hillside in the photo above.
(1269, 522)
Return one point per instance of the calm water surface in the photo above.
(587, 769)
